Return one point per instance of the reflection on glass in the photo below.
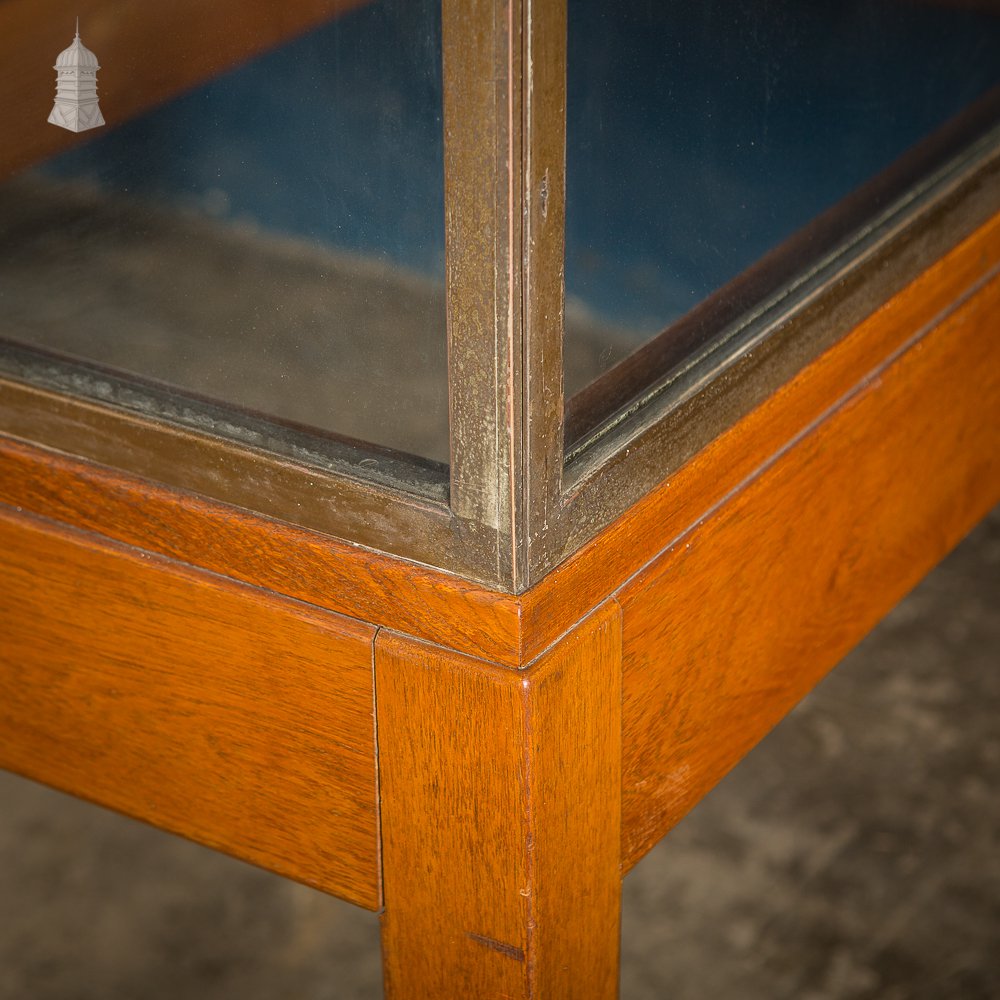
(702, 135)
(273, 237)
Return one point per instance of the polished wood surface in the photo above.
(742, 579)
(787, 540)
(437, 606)
(479, 765)
(747, 610)
(149, 52)
(500, 819)
(324, 571)
(166, 692)
(236, 718)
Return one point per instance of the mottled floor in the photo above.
(855, 854)
(302, 332)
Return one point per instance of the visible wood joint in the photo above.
(500, 805)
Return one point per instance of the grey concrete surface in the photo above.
(334, 341)
(854, 855)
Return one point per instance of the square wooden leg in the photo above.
(501, 819)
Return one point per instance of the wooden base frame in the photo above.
(482, 767)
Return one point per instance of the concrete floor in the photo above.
(274, 324)
(854, 854)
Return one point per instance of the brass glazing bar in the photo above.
(544, 255)
(346, 507)
(655, 439)
(481, 60)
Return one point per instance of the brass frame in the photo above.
(516, 501)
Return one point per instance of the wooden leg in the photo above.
(501, 819)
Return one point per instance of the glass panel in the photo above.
(260, 221)
(701, 136)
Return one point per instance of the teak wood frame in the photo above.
(482, 767)
(479, 758)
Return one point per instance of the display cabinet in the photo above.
(439, 440)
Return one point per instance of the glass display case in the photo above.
(294, 242)
(293, 237)
(272, 238)
(523, 343)
(717, 154)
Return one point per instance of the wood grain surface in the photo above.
(423, 602)
(745, 612)
(500, 818)
(233, 717)
(431, 604)
(149, 52)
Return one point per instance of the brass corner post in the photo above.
(505, 97)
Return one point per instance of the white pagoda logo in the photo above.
(76, 106)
